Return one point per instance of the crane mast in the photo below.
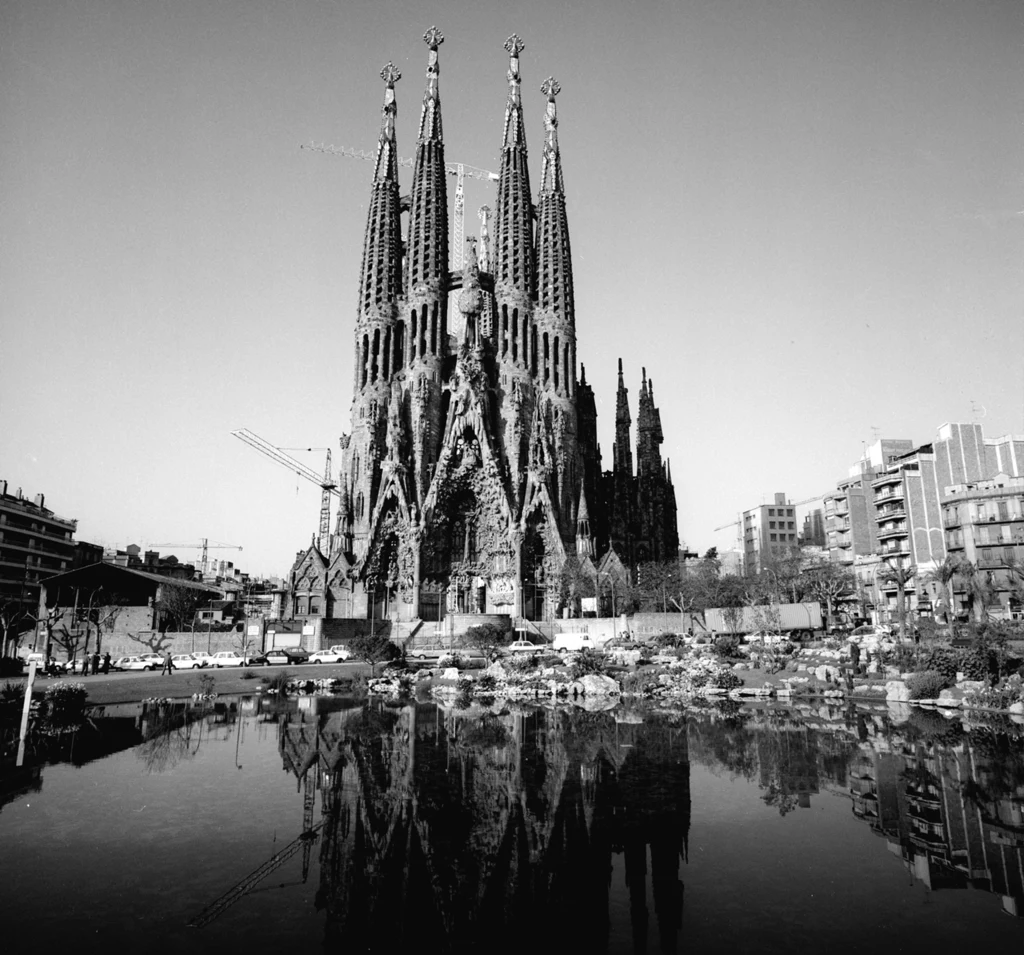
(327, 484)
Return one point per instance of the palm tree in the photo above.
(977, 586)
(943, 575)
(899, 575)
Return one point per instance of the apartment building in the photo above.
(984, 523)
(768, 531)
(34, 543)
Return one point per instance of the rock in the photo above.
(970, 686)
(451, 673)
(896, 691)
(596, 685)
(497, 671)
(950, 698)
(1017, 709)
(740, 666)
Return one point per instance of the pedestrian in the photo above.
(106, 663)
(168, 663)
(85, 663)
(95, 662)
(855, 656)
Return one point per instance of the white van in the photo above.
(574, 641)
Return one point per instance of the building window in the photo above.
(771, 511)
(773, 536)
(771, 524)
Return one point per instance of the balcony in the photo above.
(840, 526)
(889, 494)
(894, 549)
(890, 511)
(892, 530)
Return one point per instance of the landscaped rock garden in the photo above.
(983, 676)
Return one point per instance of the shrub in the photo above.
(248, 675)
(944, 660)
(65, 703)
(486, 683)
(451, 659)
(979, 662)
(586, 662)
(727, 680)
(728, 646)
(926, 685)
(278, 682)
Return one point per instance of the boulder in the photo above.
(451, 673)
(595, 685)
(497, 671)
(950, 698)
(1017, 709)
(896, 691)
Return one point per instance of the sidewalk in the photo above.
(131, 687)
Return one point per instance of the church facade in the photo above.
(472, 470)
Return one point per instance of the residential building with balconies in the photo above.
(984, 524)
(34, 543)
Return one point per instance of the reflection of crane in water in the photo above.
(304, 841)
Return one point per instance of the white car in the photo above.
(203, 657)
(186, 661)
(228, 658)
(522, 645)
(334, 655)
(155, 659)
(132, 663)
(766, 638)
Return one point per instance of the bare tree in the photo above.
(826, 583)
(178, 607)
(13, 620)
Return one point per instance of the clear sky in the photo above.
(804, 217)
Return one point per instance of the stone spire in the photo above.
(555, 315)
(649, 436)
(584, 539)
(513, 266)
(380, 279)
(427, 249)
(622, 452)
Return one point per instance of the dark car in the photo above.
(286, 655)
(256, 659)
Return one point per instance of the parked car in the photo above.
(428, 652)
(154, 659)
(522, 645)
(227, 658)
(621, 643)
(132, 663)
(765, 637)
(186, 661)
(203, 657)
(334, 655)
(286, 655)
(256, 659)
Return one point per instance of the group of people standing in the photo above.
(99, 664)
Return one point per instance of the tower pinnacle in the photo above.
(387, 157)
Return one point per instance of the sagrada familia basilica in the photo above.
(472, 477)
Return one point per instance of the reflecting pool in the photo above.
(251, 824)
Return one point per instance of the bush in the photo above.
(586, 662)
(451, 659)
(65, 703)
(248, 675)
(944, 660)
(728, 646)
(926, 685)
(11, 666)
(727, 680)
(278, 682)
(486, 683)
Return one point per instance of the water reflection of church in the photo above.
(954, 814)
(505, 832)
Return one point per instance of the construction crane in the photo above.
(204, 545)
(806, 500)
(457, 169)
(327, 484)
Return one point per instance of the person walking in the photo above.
(855, 656)
(106, 663)
(85, 663)
(95, 662)
(168, 663)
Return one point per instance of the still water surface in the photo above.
(181, 828)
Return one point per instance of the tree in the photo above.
(826, 583)
(978, 586)
(178, 607)
(14, 623)
(574, 582)
(373, 649)
(488, 637)
(899, 575)
(943, 575)
(101, 610)
(656, 582)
